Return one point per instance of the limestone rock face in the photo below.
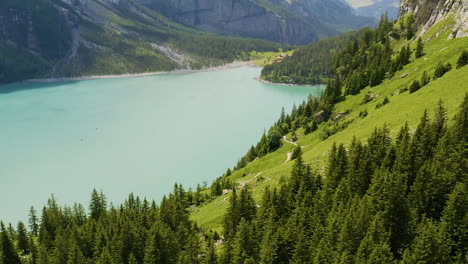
(244, 18)
(428, 13)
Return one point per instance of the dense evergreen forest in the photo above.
(311, 64)
(394, 198)
(356, 60)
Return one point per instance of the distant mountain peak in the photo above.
(375, 8)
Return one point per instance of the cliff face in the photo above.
(286, 21)
(237, 17)
(40, 28)
(428, 13)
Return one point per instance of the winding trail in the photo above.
(288, 157)
(290, 142)
(289, 154)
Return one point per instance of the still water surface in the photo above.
(136, 135)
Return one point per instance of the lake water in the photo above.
(136, 135)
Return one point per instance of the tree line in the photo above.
(391, 199)
(310, 64)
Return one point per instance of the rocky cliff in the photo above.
(429, 12)
(285, 21)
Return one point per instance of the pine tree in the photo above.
(419, 49)
(425, 79)
(106, 258)
(463, 59)
(374, 246)
(409, 27)
(33, 222)
(301, 251)
(74, 254)
(132, 259)
(7, 247)
(190, 254)
(454, 221)
(162, 246)
(22, 238)
(232, 217)
(244, 245)
(414, 86)
(428, 246)
(97, 205)
(211, 256)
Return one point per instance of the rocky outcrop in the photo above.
(430, 12)
(245, 18)
(286, 21)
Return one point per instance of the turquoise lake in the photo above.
(137, 135)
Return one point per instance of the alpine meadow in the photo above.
(364, 158)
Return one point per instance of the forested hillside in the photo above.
(310, 64)
(373, 171)
(375, 54)
(58, 38)
(393, 198)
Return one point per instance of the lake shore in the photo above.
(288, 84)
(231, 65)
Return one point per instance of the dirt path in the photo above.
(290, 142)
(289, 154)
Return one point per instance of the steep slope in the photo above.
(292, 22)
(356, 116)
(57, 38)
(303, 67)
(379, 8)
(431, 12)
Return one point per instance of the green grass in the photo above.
(403, 107)
(264, 58)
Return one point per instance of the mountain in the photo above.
(426, 15)
(66, 38)
(291, 22)
(69, 38)
(373, 171)
(375, 8)
(310, 64)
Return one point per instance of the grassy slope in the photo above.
(403, 107)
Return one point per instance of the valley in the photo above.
(366, 162)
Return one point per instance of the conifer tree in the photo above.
(211, 256)
(33, 222)
(132, 259)
(428, 246)
(409, 26)
(454, 221)
(425, 79)
(74, 255)
(374, 247)
(97, 205)
(414, 86)
(232, 217)
(463, 59)
(106, 258)
(162, 246)
(7, 247)
(245, 243)
(419, 48)
(22, 238)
